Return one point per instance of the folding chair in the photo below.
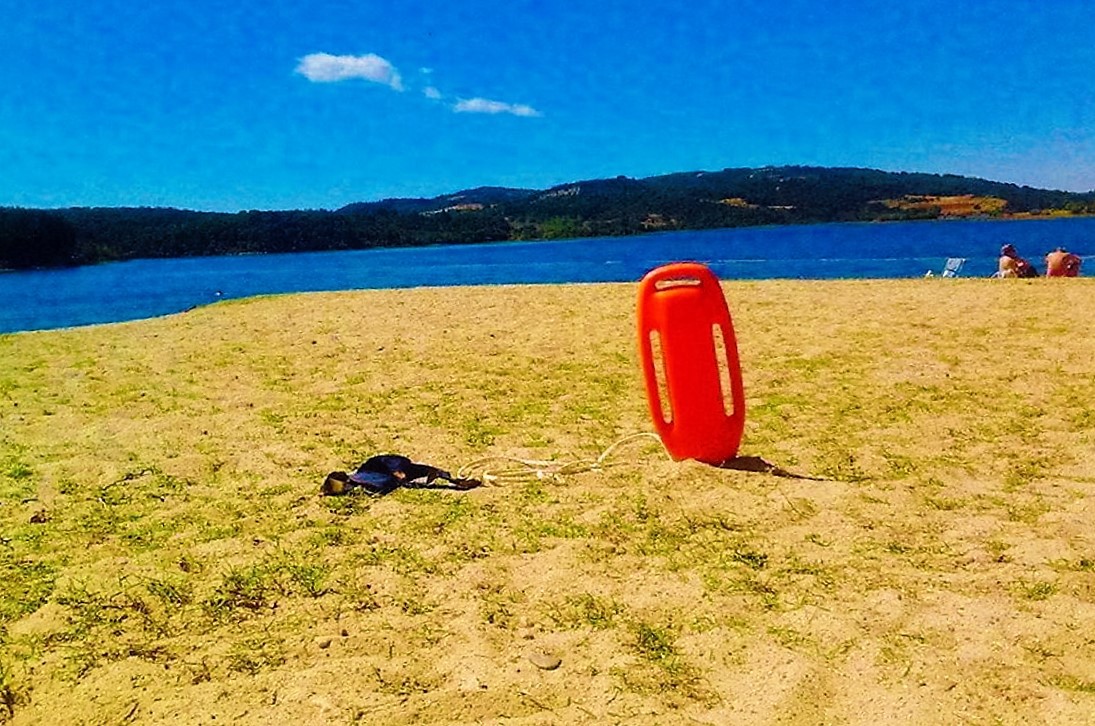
(953, 266)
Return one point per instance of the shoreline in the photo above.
(456, 289)
(143, 288)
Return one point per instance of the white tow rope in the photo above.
(512, 470)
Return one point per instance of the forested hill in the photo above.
(619, 206)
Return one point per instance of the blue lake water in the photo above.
(114, 292)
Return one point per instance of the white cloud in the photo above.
(327, 68)
(484, 105)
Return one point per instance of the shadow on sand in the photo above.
(762, 466)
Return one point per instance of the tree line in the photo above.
(620, 206)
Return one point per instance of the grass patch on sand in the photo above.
(165, 556)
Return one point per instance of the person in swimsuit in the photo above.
(1012, 265)
(1062, 263)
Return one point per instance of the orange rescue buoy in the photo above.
(690, 363)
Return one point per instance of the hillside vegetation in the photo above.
(620, 206)
(165, 556)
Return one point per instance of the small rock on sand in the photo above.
(545, 660)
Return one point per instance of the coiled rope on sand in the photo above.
(514, 470)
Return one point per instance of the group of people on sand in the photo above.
(1059, 263)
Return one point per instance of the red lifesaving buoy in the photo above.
(690, 363)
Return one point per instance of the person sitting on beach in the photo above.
(1012, 265)
(1062, 263)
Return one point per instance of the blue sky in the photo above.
(284, 104)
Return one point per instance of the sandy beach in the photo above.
(166, 556)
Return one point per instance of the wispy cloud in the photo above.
(327, 68)
(485, 105)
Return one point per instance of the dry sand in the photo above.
(939, 570)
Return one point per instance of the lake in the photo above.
(114, 292)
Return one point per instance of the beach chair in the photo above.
(953, 266)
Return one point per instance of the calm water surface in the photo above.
(121, 291)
